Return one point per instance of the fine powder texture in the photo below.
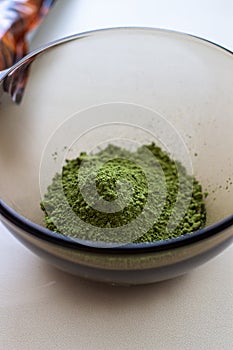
(116, 188)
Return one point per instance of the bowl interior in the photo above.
(135, 83)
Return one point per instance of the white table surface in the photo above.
(43, 308)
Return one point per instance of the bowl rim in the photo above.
(43, 233)
(53, 43)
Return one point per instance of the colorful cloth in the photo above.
(17, 19)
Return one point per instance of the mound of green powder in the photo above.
(114, 188)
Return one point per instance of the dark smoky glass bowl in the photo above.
(185, 80)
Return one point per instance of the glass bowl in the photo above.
(133, 85)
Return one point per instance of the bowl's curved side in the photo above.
(131, 264)
(136, 268)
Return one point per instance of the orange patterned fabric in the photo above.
(17, 18)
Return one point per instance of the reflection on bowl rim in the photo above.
(43, 233)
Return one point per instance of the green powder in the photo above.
(112, 189)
